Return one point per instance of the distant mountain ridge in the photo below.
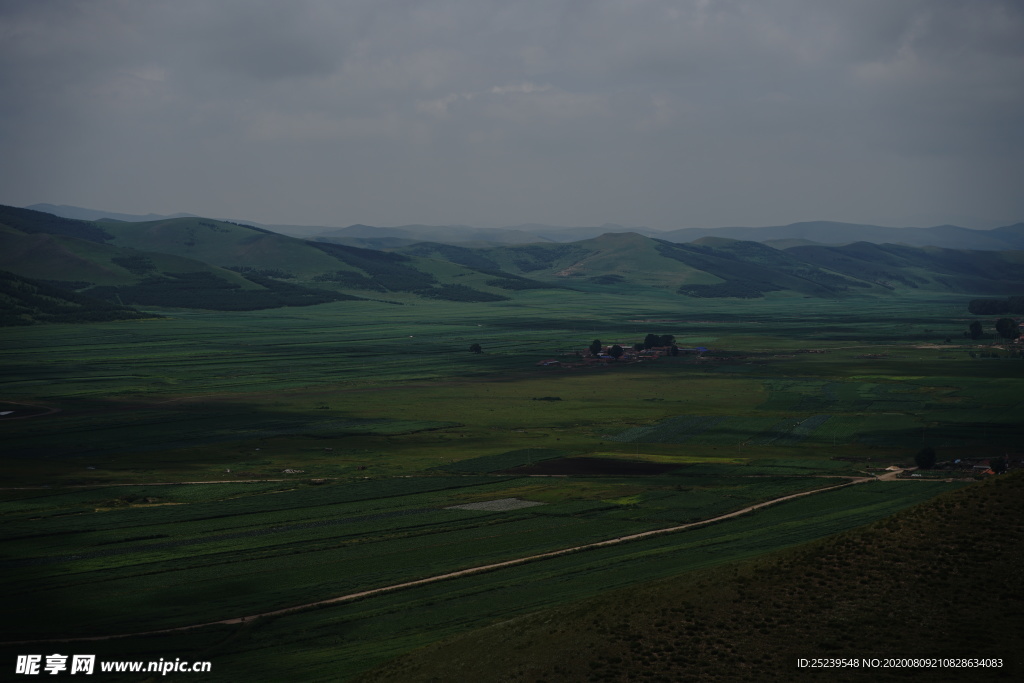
(838, 234)
(829, 233)
(83, 214)
(222, 265)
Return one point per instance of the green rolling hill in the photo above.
(313, 263)
(202, 263)
(83, 258)
(712, 267)
(223, 244)
(933, 268)
(199, 262)
(613, 258)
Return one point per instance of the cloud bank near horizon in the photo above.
(656, 113)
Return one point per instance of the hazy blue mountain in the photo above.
(435, 233)
(575, 234)
(833, 233)
(780, 236)
(80, 213)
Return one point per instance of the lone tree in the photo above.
(997, 465)
(975, 328)
(667, 340)
(1008, 328)
(595, 347)
(475, 348)
(925, 458)
(615, 352)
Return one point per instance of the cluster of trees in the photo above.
(733, 289)
(1007, 328)
(926, 459)
(520, 283)
(1012, 304)
(652, 340)
(458, 293)
(262, 272)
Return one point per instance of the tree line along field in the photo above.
(363, 431)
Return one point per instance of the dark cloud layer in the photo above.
(659, 113)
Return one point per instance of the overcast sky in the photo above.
(566, 112)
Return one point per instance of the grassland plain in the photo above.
(904, 587)
(365, 421)
(339, 641)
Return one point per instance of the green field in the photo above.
(335, 439)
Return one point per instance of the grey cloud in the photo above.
(652, 112)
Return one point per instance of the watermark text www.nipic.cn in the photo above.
(31, 665)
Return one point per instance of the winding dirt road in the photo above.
(464, 572)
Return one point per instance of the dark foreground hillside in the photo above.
(942, 580)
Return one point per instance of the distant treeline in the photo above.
(519, 284)
(458, 293)
(1012, 304)
(262, 272)
(207, 291)
(735, 288)
(24, 301)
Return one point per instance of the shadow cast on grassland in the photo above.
(112, 427)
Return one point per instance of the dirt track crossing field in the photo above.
(457, 574)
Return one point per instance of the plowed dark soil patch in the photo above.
(593, 466)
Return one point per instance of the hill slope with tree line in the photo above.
(940, 580)
(24, 301)
(715, 267)
(168, 263)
